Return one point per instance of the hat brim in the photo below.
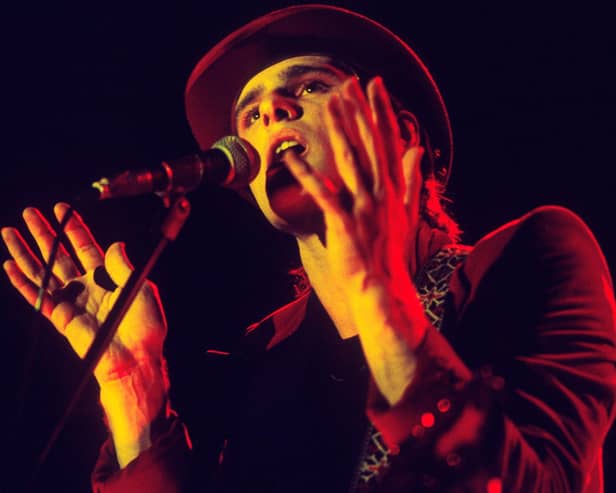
(353, 38)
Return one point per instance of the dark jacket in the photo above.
(514, 394)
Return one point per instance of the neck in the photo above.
(326, 286)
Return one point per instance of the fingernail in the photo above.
(8, 234)
(350, 84)
(62, 206)
(379, 82)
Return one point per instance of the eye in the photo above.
(254, 115)
(313, 86)
(250, 116)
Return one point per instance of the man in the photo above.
(411, 363)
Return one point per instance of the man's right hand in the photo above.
(131, 373)
(77, 302)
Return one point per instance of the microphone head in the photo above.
(243, 158)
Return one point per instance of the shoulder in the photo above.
(546, 254)
(547, 235)
(547, 223)
(552, 223)
(541, 273)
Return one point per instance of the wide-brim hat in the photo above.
(353, 38)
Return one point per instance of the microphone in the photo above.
(230, 162)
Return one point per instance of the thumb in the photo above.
(117, 264)
(411, 169)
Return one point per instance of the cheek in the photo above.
(322, 155)
(260, 145)
(257, 185)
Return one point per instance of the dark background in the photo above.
(91, 89)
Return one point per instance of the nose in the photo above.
(279, 107)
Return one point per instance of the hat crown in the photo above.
(298, 30)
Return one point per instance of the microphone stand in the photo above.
(172, 224)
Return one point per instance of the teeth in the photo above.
(283, 146)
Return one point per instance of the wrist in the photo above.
(131, 403)
(391, 325)
(389, 307)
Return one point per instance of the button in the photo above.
(453, 459)
(427, 420)
(486, 371)
(494, 485)
(497, 383)
(438, 375)
(418, 431)
(428, 481)
(443, 405)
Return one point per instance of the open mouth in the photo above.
(279, 150)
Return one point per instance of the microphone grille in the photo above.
(244, 160)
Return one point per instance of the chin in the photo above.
(296, 213)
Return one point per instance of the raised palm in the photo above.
(79, 298)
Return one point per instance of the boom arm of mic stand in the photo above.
(176, 217)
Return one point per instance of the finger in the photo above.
(411, 167)
(117, 264)
(368, 141)
(86, 248)
(344, 156)
(411, 170)
(63, 314)
(78, 329)
(387, 126)
(351, 104)
(321, 189)
(26, 260)
(44, 235)
(27, 288)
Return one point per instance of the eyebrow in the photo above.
(288, 73)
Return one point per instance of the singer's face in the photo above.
(281, 110)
